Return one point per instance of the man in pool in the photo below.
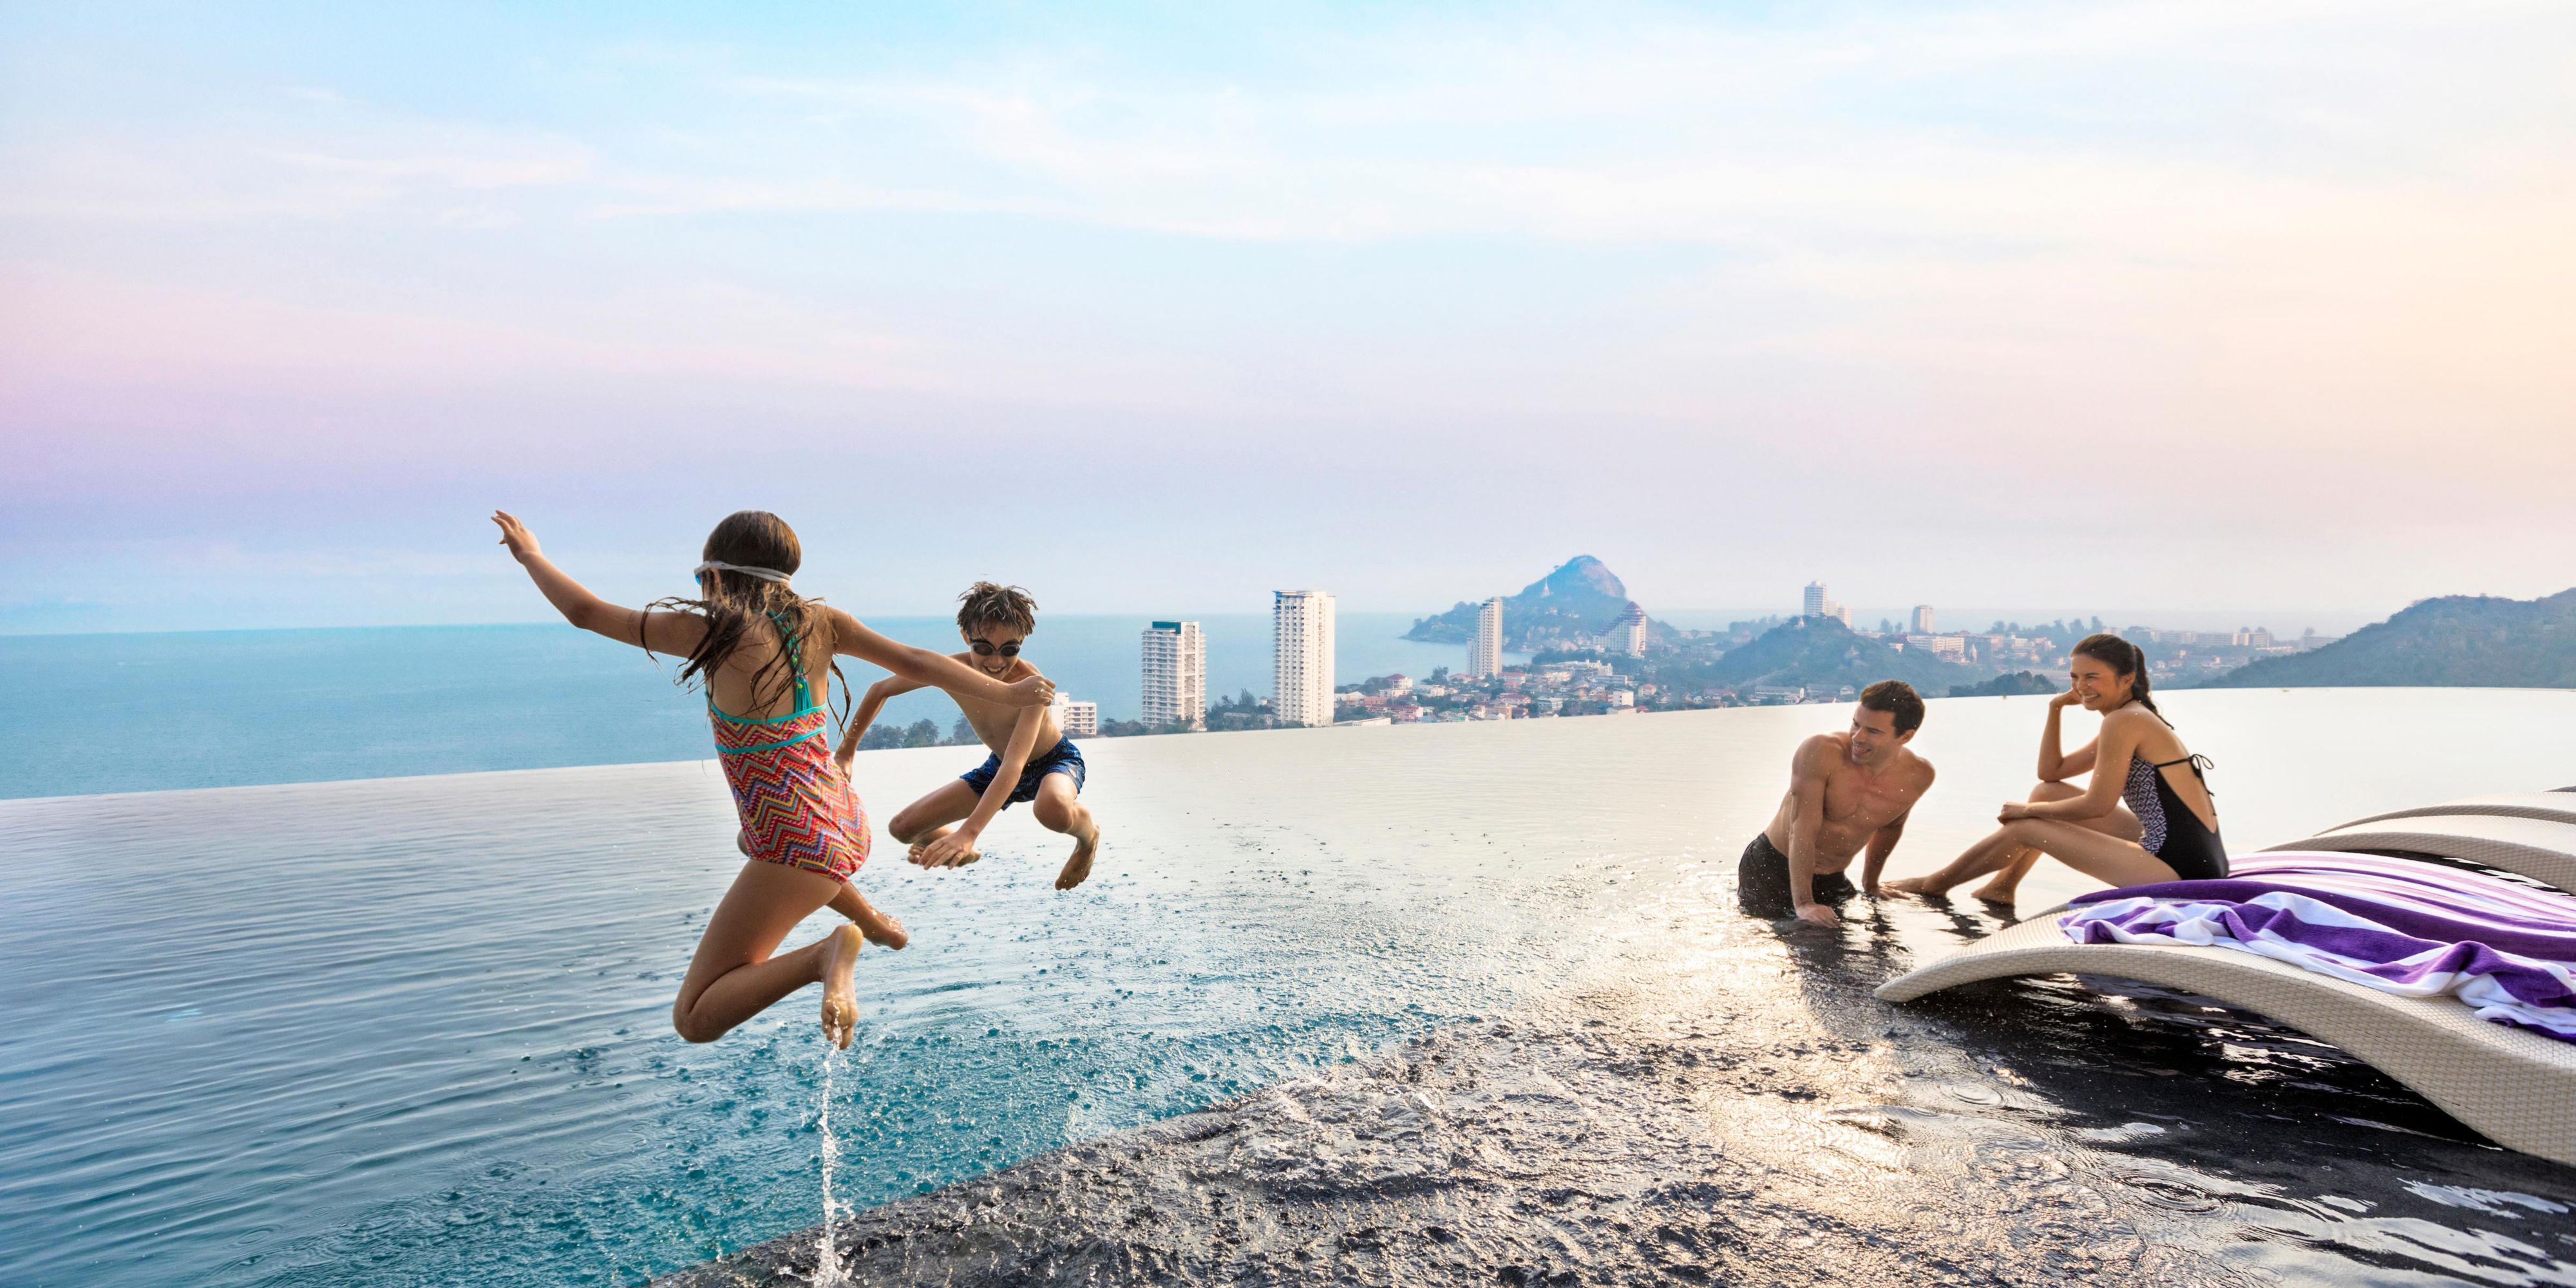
(942, 827)
(1846, 791)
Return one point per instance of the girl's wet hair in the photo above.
(735, 605)
(2121, 656)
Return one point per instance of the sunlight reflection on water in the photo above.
(415, 1030)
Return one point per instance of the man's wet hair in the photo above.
(1896, 698)
(985, 604)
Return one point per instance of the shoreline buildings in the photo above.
(1485, 648)
(1301, 633)
(1630, 634)
(1175, 675)
(1077, 719)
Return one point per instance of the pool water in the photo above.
(415, 1030)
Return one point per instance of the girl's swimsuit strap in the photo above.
(795, 666)
(795, 659)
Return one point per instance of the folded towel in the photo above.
(2505, 950)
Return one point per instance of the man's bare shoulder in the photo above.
(1919, 771)
(1821, 751)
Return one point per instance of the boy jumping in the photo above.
(995, 621)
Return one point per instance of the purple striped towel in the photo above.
(2507, 951)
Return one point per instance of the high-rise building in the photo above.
(1923, 619)
(1301, 633)
(1815, 602)
(1485, 648)
(1630, 634)
(1175, 658)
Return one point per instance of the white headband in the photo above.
(765, 574)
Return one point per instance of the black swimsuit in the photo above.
(2171, 831)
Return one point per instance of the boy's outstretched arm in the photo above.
(869, 707)
(660, 632)
(921, 666)
(958, 847)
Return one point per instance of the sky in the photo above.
(2133, 308)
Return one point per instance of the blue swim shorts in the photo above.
(1063, 758)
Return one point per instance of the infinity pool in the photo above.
(414, 1030)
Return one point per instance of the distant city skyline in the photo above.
(1410, 301)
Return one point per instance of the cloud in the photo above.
(2290, 274)
(305, 172)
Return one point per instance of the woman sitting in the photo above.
(2169, 830)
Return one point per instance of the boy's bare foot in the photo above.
(1077, 868)
(840, 995)
(882, 929)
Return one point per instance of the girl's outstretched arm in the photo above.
(938, 670)
(660, 632)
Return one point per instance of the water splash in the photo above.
(827, 1260)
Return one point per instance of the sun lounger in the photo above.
(2511, 1085)
(2514, 1085)
(2533, 834)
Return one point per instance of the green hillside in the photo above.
(1579, 600)
(2012, 684)
(1820, 650)
(2467, 641)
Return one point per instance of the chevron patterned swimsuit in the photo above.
(797, 807)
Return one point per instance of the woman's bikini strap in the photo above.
(2200, 767)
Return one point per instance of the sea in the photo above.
(152, 712)
(354, 1004)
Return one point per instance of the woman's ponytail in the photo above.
(2138, 682)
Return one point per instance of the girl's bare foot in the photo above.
(1994, 892)
(1918, 886)
(1077, 868)
(840, 995)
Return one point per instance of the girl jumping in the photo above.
(764, 655)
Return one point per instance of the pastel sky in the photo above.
(1156, 308)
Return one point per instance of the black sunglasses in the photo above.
(983, 649)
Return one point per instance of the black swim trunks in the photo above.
(1762, 881)
(1063, 758)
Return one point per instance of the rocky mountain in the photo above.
(2476, 641)
(1569, 606)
